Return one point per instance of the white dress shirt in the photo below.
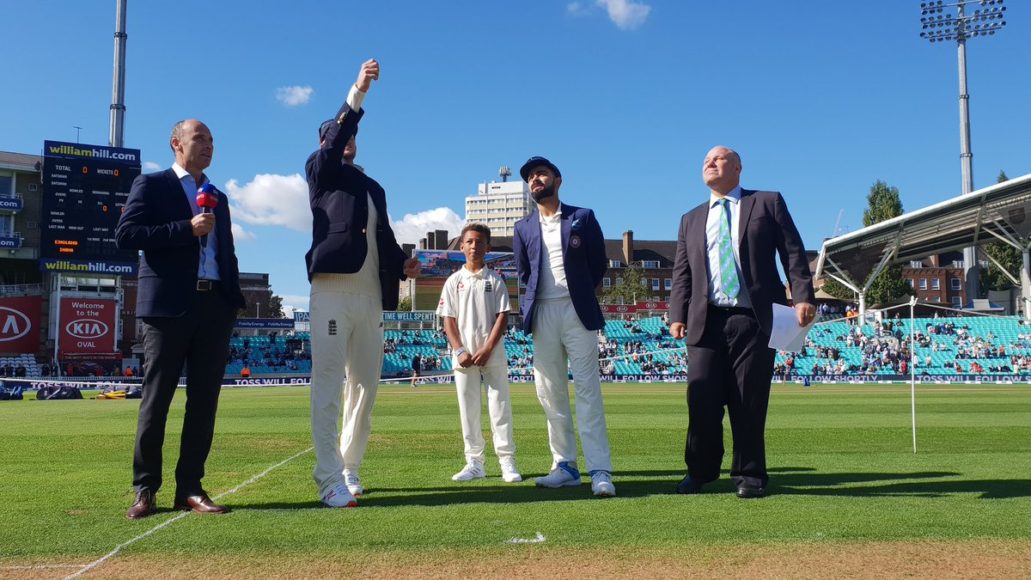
(552, 282)
(712, 248)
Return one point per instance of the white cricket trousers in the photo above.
(499, 408)
(558, 334)
(346, 340)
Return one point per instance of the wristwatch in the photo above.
(459, 351)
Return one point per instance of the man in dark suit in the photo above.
(725, 283)
(187, 298)
(355, 266)
(560, 257)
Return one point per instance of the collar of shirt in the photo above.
(734, 196)
(181, 173)
(479, 274)
(551, 219)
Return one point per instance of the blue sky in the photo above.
(820, 98)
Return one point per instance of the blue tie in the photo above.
(729, 283)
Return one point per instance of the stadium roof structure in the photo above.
(1001, 212)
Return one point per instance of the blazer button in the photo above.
(363, 230)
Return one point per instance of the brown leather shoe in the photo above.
(145, 505)
(199, 503)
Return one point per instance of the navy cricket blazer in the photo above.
(583, 258)
(156, 219)
(339, 195)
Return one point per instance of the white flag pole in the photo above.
(912, 366)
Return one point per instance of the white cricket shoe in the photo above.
(353, 482)
(509, 473)
(339, 496)
(564, 475)
(472, 470)
(601, 484)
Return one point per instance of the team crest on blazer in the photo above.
(574, 241)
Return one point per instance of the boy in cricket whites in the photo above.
(474, 306)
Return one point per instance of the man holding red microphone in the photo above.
(187, 298)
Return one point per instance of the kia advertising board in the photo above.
(87, 326)
(19, 324)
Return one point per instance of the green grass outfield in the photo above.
(841, 460)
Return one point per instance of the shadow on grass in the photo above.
(894, 485)
(787, 481)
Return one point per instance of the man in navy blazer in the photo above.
(725, 283)
(355, 266)
(560, 257)
(187, 296)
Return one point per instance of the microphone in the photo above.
(207, 200)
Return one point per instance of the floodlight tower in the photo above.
(939, 26)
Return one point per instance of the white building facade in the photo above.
(499, 205)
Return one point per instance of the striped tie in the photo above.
(729, 283)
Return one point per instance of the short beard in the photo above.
(543, 193)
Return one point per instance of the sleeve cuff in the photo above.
(355, 98)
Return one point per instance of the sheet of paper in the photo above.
(786, 333)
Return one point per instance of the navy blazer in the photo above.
(156, 219)
(339, 196)
(583, 258)
(766, 229)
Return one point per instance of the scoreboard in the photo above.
(84, 191)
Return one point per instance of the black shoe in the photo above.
(750, 492)
(689, 486)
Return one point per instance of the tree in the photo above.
(837, 289)
(628, 288)
(275, 307)
(405, 305)
(884, 203)
(992, 277)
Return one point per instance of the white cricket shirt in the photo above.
(474, 300)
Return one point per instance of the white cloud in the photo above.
(241, 235)
(282, 200)
(294, 302)
(576, 8)
(150, 166)
(271, 200)
(294, 96)
(626, 14)
(413, 227)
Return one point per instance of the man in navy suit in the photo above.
(355, 266)
(187, 297)
(725, 283)
(560, 257)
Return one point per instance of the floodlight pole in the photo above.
(971, 272)
(937, 28)
(118, 82)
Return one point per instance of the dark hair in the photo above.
(177, 133)
(475, 228)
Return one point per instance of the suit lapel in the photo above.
(747, 203)
(566, 222)
(702, 218)
(176, 188)
(534, 221)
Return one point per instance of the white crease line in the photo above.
(538, 540)
(169, 522)
(41, 567)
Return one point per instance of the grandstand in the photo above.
(642, 348)
(945, 346)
